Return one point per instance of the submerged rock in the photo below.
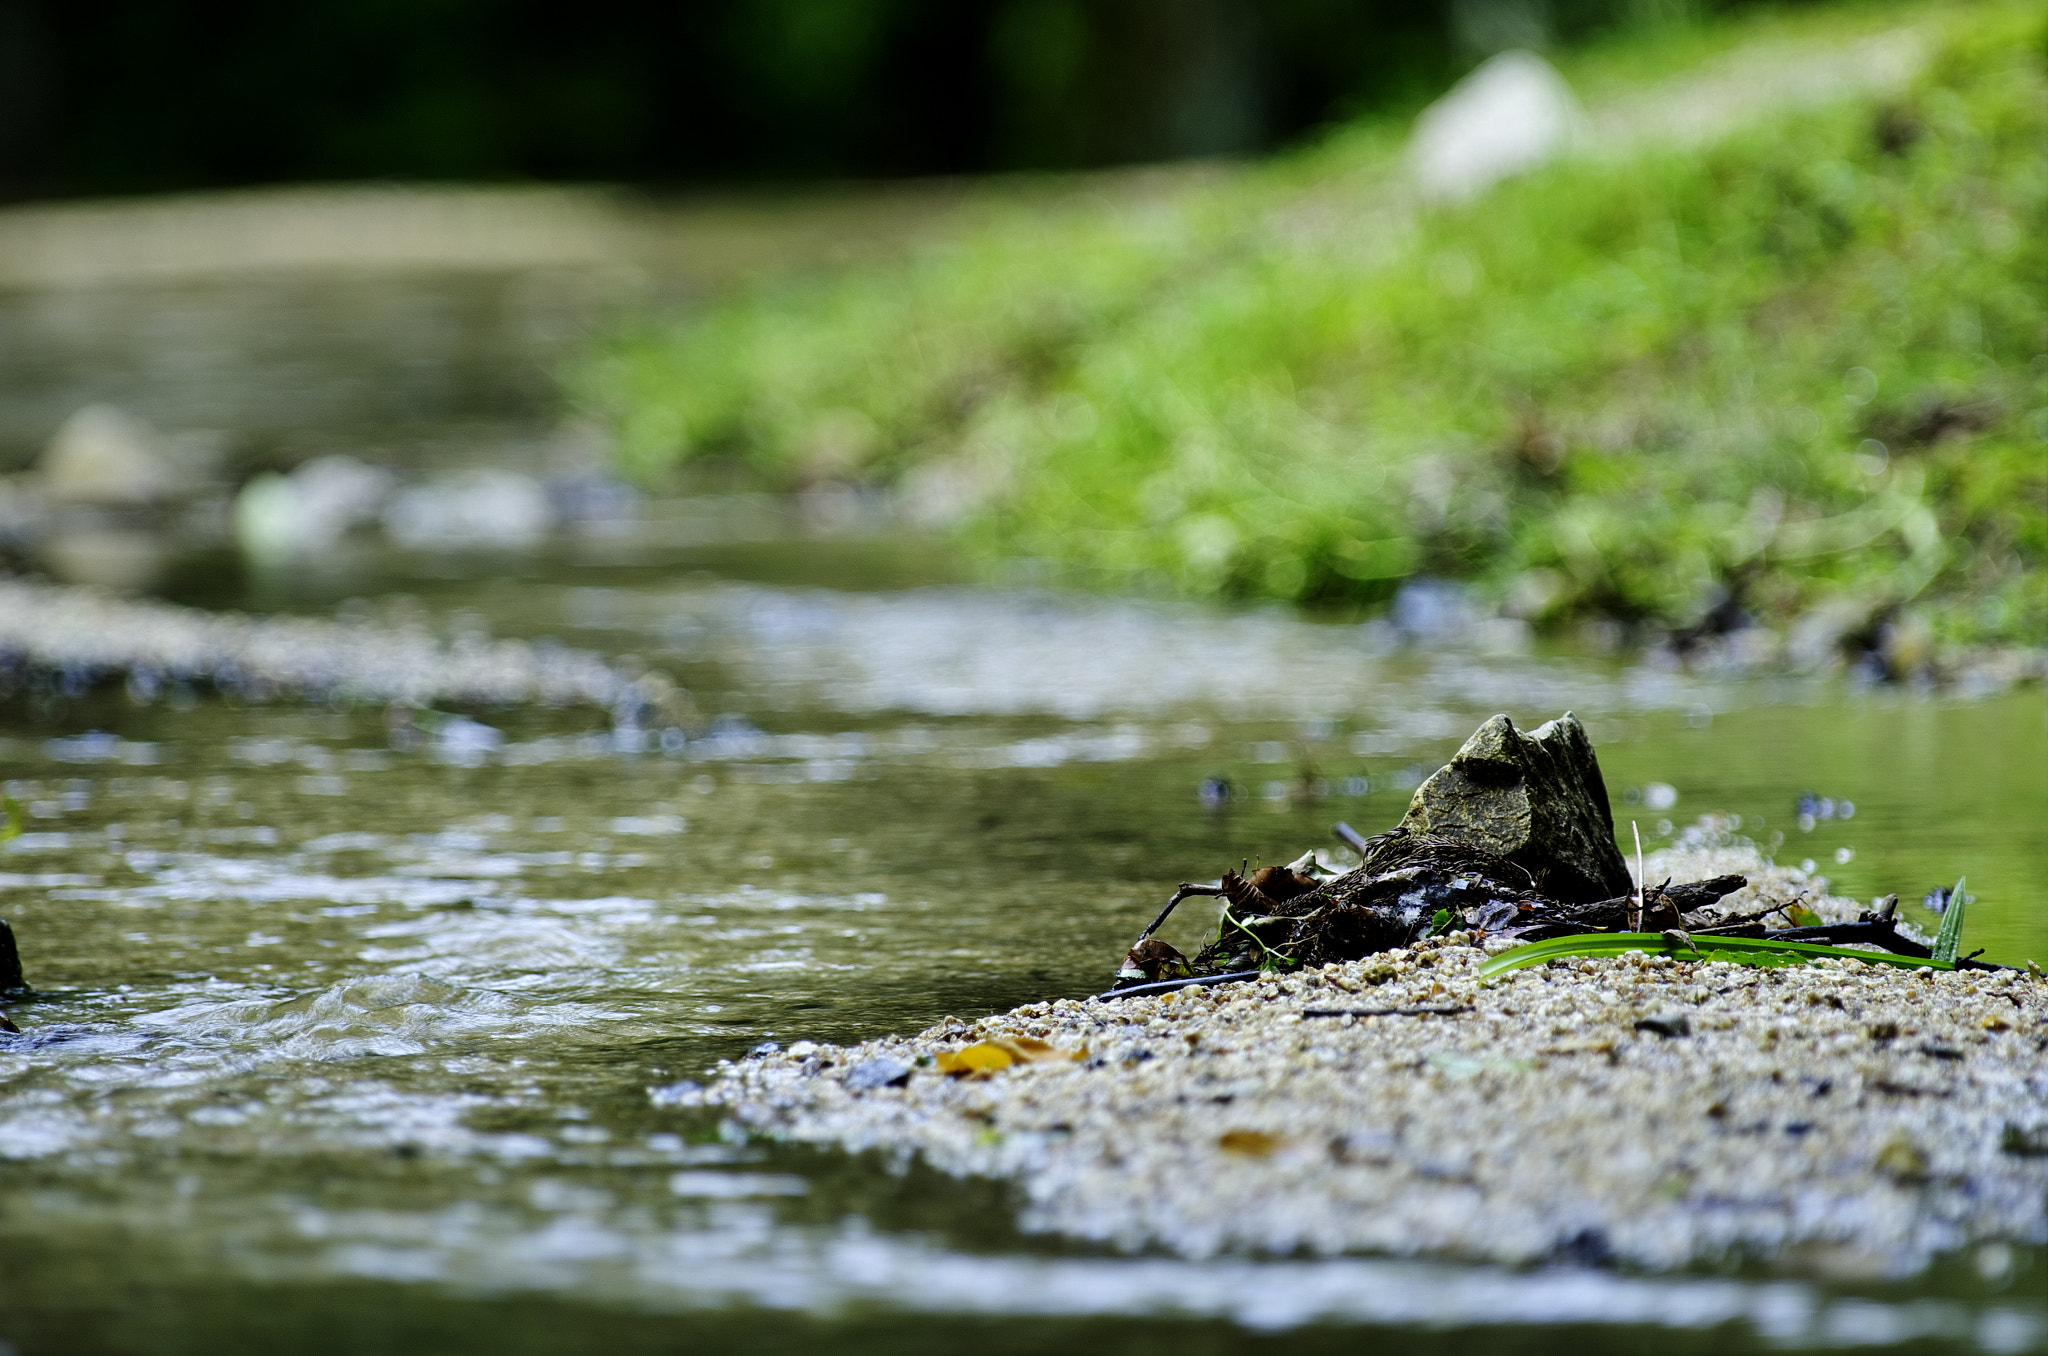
(104, 455)
(1535, 799)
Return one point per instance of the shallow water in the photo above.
(345, 1039)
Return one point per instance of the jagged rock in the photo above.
(1536, 799)
(10, 962)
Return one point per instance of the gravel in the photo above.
(1635, 1110)
(79, 636)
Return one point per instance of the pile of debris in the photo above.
(1513, 839)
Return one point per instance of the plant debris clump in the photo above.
(1512, 839)
(1408, 886)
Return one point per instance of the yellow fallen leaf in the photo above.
(978, 1060)
(1254, 1143)
(1899, 1157)
(1027, 1049)
(1031, 1050)
(999, 1052)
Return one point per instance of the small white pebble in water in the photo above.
(1844, 856)
(1994, 1262)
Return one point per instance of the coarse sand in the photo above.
(1639, 1110)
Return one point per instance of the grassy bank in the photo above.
(1803, 366)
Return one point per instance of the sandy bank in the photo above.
(1856, 1117)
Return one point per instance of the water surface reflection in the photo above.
(324, 1000)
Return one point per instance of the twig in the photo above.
(1169, 985)
(1185, 892)
(1353, 839)
(1835, 934)
(1883, 935)
(1439, 1011)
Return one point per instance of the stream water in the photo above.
(344, 1039)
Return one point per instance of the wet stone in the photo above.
(1666, 1024)
(1535, 799)
(870, 1074)
(11, 980)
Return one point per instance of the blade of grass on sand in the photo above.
(1737, 950)
(1949, 940)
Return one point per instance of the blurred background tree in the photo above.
(126, 96)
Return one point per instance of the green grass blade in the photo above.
(1737, 950)
(1949, 940)
(15, 818)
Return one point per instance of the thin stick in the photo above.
(1185, 892)
(1169, 985)
(1641, 879)
(1445, 1010)
(1353, 839)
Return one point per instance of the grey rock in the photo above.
(1536, 799)
(309, 511)
(675, 1094)
(486, 507)
(877, 1073)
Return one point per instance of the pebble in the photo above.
(1636, 1110)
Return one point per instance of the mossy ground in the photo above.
(1803, 365)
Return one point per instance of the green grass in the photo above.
(1620, 386)
(1767, 953)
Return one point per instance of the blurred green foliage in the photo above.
(1806, 365)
